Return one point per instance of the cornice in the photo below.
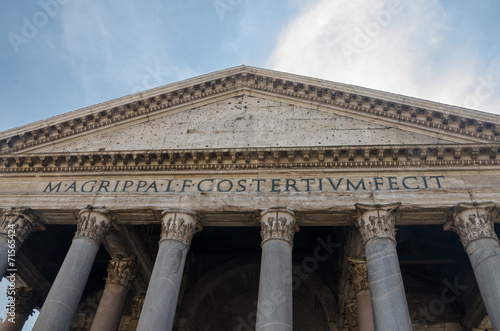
(340, 157)
(473, 125)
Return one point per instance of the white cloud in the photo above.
(391, 45)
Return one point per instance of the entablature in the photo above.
(331, 158)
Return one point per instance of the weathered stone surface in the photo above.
(242, 122)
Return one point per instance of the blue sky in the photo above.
(60, 55)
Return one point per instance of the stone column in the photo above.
(24, 305)
(137, 303)
(177, 229)
(274, 306)
(121, 273)
(350, 314)
(474, 223)
(358, 276)
(64, 295)
(376, 225)
(16, 224)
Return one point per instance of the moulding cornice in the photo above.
(340, 157)
(475, 126)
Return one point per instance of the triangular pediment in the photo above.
(247, 107)
(241, 122)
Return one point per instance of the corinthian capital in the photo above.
(137, 303)
(94, 223)
(358, 274)
(180, 224)
(278, 223)
(376, 221)
(473, 221)
(122, 271)
(20, 222)
(24, 300)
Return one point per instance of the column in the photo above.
(376, 225)
(121, 273)
(137, 303)
(24, 305)
(64, 295)
(474, 223)
(16, 225)
(358, 276)
(350, 314)
(177, 229)
(274, 306)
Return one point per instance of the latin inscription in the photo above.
(249, 185)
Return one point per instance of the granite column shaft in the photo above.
(474, 223)
(121, 273)
(389, 304)
(274, 306)
(178, 228)
(62, 301)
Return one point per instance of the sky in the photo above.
(57, 56)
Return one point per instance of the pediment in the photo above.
(243, 121)
(247, 107)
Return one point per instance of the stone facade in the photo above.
(204, 183)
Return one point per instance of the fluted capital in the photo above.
(473, 221)
(278, 223)
(376, 221)
(358, 274)
(350, 313)
(122, 271)
(24, 300)
(137, 303)
(180, 224)
(19, 222)
(94, 223)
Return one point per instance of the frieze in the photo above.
(244, 80)
(257, 158)
(247, 185)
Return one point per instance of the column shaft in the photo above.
(60, 306)
(159, 307)
(484, 255)
(474, 223)
(121, 273)
(365, 315)
(274, 307)
(389, 305)
(109, 312)
(158, 312)
(62, 301)
(390, 308)
(275, 302)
